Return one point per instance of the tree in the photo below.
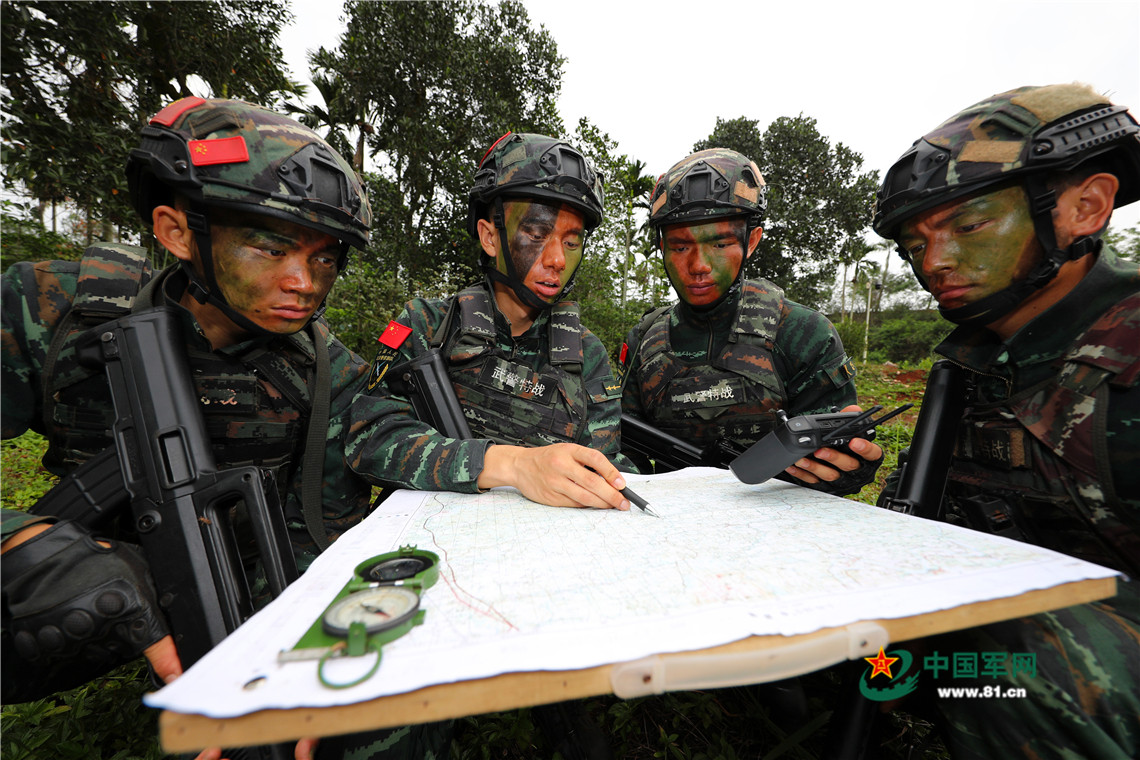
(81, 78)
(819, 205)
(439, 82)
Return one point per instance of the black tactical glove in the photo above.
(72, 610)
(848, 482)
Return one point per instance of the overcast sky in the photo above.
(876, 75)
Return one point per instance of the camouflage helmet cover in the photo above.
(1005, 137)
(238, 155)
(535, 166)
(709, 183)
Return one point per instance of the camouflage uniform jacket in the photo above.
(1052, 423)
(552, 383)
(254, 395)
(703, 376)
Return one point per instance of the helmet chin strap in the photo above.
(209, 292)
(511, 278)
(1042, 201)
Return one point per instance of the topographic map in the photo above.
(527, 587)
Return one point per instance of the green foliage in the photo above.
(101, 720)
(79, 80)
(818, 203)
(436, 84)
(910, 338)
(25, 480)
(1126, 241)
(25, 239)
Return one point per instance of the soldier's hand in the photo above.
(305, 750)
(828, 466)
(561, 475)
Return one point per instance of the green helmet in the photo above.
(524, 165)
(1024, 135)
(241, 156)
(535, 166)
(236, 155)
(711, 183)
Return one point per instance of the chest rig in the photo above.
(503, 399)
(1036, 467)
(255, 402)
(733, 393)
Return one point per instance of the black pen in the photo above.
(641, 503)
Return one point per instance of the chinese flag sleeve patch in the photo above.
(394, 334)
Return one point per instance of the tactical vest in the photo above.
(733, 395)
(1035, 466)
(506, 401)
(255, 402)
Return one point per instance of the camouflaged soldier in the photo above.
(260, 212)
(999, 212)
(717, 366)
(536, 387)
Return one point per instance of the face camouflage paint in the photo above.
(968, 249)
(703, 260)
(274, 273)
(546, 244)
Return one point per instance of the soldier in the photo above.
(260, 214)
(536, 386)
(717, 366)
(999, 213)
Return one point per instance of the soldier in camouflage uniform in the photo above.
(717, 366)
(999, 213)
(536, 387)
(260, 213)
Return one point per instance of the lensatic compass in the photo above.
(379, 605)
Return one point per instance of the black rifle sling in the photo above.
(316, 441)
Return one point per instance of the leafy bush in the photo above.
(908, 338)
(852, 334)
(26, 239)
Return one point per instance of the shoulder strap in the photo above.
(757, 313)
(565, 333)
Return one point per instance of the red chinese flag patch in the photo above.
(624, 354)
(394, 334)
(224, 150)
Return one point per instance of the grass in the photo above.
(105, 720)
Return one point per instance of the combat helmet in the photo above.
(525, 165)
(709, 185)
(236, 155)
(1021, 136)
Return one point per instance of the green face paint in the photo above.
(546, 243)
(274, 273)
(968, 249)
(703, 260)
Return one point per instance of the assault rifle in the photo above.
(161, 466)
(669, 452)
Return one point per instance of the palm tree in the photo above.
(634, 188)
(342, 110)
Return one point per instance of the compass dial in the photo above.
(377, 608)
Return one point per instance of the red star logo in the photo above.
(881, 664)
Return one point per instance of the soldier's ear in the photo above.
(172, 231)
(1085, 208)
(754, 240)
(488, 237)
